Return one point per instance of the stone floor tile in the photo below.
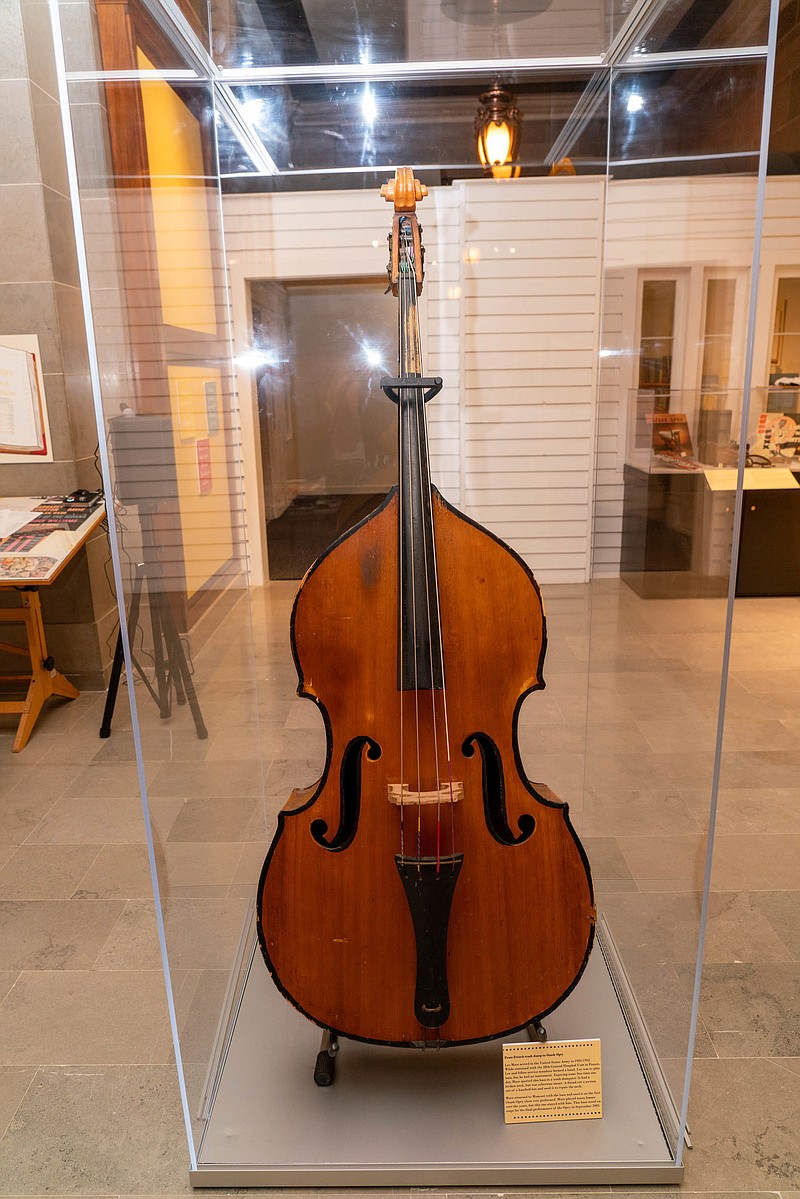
(747, 810)
(755, 734)
(305, 715)
(762, 861)
(19, 781)
(667, 927)
(766, 767)
(746, 1139)
(198, 1020)
(111, 820)
(14, 1082)
(711, 1077)
(54, 934)
(550, 738)
(665, 1002)
(251, 860)
(640, 682)
(36, 749)
(199, 863)
(672, 862)
(762, 682)
(612, 886)
(563, 773)
(782, 910)
(7, 980)
(20, 814)
(614, 772)
(217, 820)
(605, 858)
(97, 1130)
(82, 1016)
(111, 780)
(133, 942)
(619, 813)
(679, 735)
(210, 780)
(118, 872)
(45, 871)
(83, 744)
(204, 933)
(750, 1010)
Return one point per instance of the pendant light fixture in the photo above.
(497, 130)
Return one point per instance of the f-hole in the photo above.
(494, 792)
(349, 795)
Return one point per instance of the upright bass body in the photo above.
(422, 889)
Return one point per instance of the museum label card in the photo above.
(555, 1080)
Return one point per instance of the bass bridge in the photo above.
(404, 796)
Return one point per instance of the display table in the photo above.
(25, 571)
(677, 529)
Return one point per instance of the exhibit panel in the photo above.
(155, 292)
(423, 517)
(686, 295)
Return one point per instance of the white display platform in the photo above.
(430, 1118)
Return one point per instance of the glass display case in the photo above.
(589, 305)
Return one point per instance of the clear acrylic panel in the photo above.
(250, 34)
(680, 230)
(158, 295)
(682, 25)
(236, 253)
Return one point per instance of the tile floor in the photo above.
(625, 731)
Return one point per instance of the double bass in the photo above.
(423, 890)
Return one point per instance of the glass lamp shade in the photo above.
(498, 133)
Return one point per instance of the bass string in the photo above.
(405, 365)
(428, 536)
(401, 369)
(446, 720)
(437, 595)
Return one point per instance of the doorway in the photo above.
(328, 433)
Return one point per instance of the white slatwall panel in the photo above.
(510, 321)
(608, 487)
(530, 268)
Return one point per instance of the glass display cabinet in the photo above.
(590, 306)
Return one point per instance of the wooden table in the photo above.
(26, 572)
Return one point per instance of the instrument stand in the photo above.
(169, 656)
(325, 1066)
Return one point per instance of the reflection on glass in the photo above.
(328, 433)
(249, 33)
(786, 330)
(718, 333)
(336, 127)
(687, 25)
(715, 415)
(698, 116)
(657, 334)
